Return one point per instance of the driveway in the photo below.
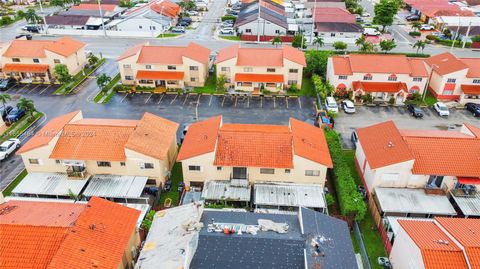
(366, 116)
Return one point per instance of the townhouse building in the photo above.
(256, 69)
(334, 24)
(287, 165)
(34, 60)
(164, 67)
(382, 76)
(454, 78)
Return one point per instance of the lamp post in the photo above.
(467, 34)
(456, 34)
(313, 22)
(428, 81)
(101, 18)
(43, 17)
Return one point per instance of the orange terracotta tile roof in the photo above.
(467, 233)
(99, 238)
(16, 67)
(169, 75)
(309, 142)
(40, 213)
(473, 67)
(267, 78)
(392, 87)
(438, 250)
(341, 65)
(200, 139)
(26, 246)
(166, 8)
(295, 55)
(383, 145)
(173, 54)
(64, 46)
(445, 63)
(87, 6)
(433, 133)
(131, 51)
(153, 136)
(368, 63)
(475, 130)
(227, 53)
(261, 56)
(470, 89)
(48, 132)
(417, 66)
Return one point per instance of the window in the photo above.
(225, 69)
(292, 70)
(56, 61)
(277, 32)
(271, 70)
(367, 77)
(148, 66)
(476, 81)
(435, 181)
(193, 68)
(312, 173)
(228, 80)
(58, 161)
(219, 168)
(247, 69)
(33, 161)
(417, 79)
(15, 60)
(140, 27)
(267, 171)
(287, 171)
(153, 28)
(148, 165)
(172, 67)
(332, 34)
(392, 78)
(193, 79)
(195, 168)
(447, 92)
(292, 82)
(172, 82)
(342, 77)
(451, 80)
(36, 61)
(248, 30)
(103, 164)
(127, 66)
(128, 77)
(122, 163)
(146, 81)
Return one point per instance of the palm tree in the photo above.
(276, 40)
(31, 16)
(27, 105)
(318, 41)
(102, 81)
(420, 44)
(416, 25)
(4, 98)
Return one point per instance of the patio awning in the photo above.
(391, 87)
(112, 186)
(470, 89)
(159, 75)
(54, 184)
(266, 78)
(34, 68)
(295, 195)
(223, 190)
(468, 180)
(469, 205)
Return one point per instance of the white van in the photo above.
(331, 104)
(371, 31)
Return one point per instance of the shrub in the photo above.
(458, 43)
(367, 98)
(228, 17)
(415, 33)
(431, 37)
(476, 38)
(391, 101)
(330, 200)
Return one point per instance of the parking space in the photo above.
(32, 89)
(366, 116)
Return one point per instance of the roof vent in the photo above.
(93, 226)
(443, 242)
(390, 144)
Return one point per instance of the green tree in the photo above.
(31, 16)
(6, 20)
(317, 61)
(58, 3)
(387, 45)
(4, 98)
(102, 81)
(385, 11)
(318, 41)
(420, 45)
(220, 84)
(323, 89)
(20, 14)
(276, 40)
(27, 105)
(416, 26)
(187, 5)
(62, 74)
(340, 45)
(92, 59)
(364, 45)
(299, 41)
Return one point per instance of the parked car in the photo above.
(412, 17)
(227, 31)
(426, 27)
(31, 28)
(371, 31)
(192, 13)
(441, 109)
(178, 29)
(359, 18)
(15, 115)
(474, 108)
(27, 36)
(4, 112)
(415, 111)
(354, 139)
(5, 84)
(365, 14)
(348, 106)
(8, 147)
(181, 186)
(331, 104)
(183, 24)
(168, 186)
(187, 19)
(232, 13)
(226, 25)
(184, 132)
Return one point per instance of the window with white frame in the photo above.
(148, 66)
(104, 164)
(193, 68)
(342, 77)
(56, 61)
(148, 165)
(225, 69)
(392, 78)
(367, 77)
(247, 69)
(248, 30)
(271, 70)
(33, 161)
(417, 79)
(194, 168)
(476, 81)
(15, 60)
(267, 171)
(451, 80)
(171, 67)
(292, 82)
(128, 77)
(127, 66)
(312, 173)
(292, 70)
(36, 60)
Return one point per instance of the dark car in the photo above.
(15, 115)
(4, 112)
(5, 84)
(168, 185)
(413, 17)
(415, 111)
(31, 28)
(183, 23)
(27, 36)
(187, 19)
(474, 108)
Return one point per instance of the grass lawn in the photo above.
(210, 86)
(167, 35)
(232, 38)
(8, 190)
(16, 129)
(77, 79)
(307, 88)
(173, 194)
(371, 237)
(108, 91)
(430, 100)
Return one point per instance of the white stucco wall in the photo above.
(405, 254)
(263, 27)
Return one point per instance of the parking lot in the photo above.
(32, 89)
(366, 116)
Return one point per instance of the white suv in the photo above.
(331, 104)
(441, 109)
(8, 147)
(227, 31)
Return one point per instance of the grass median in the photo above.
(104, 96)
(8, 190)
(17, 128)
(78, 79)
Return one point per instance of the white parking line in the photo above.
(274, 98)
(148, 98)
(21, 89)
(161, 98)
(223, 101)
(42, 91)
(210, 102)
(198, 99)
(261, 101)
(124, 98)
(235, 101)
(299, 103)
(34, 88)
(174, 99)
(248, 102)
(186, 98)
(286, 101)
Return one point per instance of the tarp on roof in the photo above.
(113, 186)
(295, 195)
(49, 184)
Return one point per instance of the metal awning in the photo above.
(113, 186)
(413, 201)
(223, 190)
(54, 184)
(469, 205)
(394, 225)
(296, 195)
(143, 208)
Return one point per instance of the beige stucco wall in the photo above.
(405, 254)
(437, 82)
(133, 243)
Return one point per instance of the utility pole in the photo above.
(313, 22)
(258, 23)
(456, 34)
(101, 18)
(43, 17)
(467, 34)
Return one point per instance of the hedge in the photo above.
(228, 17)
(415, 33)
(350, 200)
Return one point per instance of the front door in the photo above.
(160, 83)
(240, 173)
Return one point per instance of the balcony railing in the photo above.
(80, 173)
(238, 182)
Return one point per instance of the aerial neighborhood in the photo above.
(273, 134)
